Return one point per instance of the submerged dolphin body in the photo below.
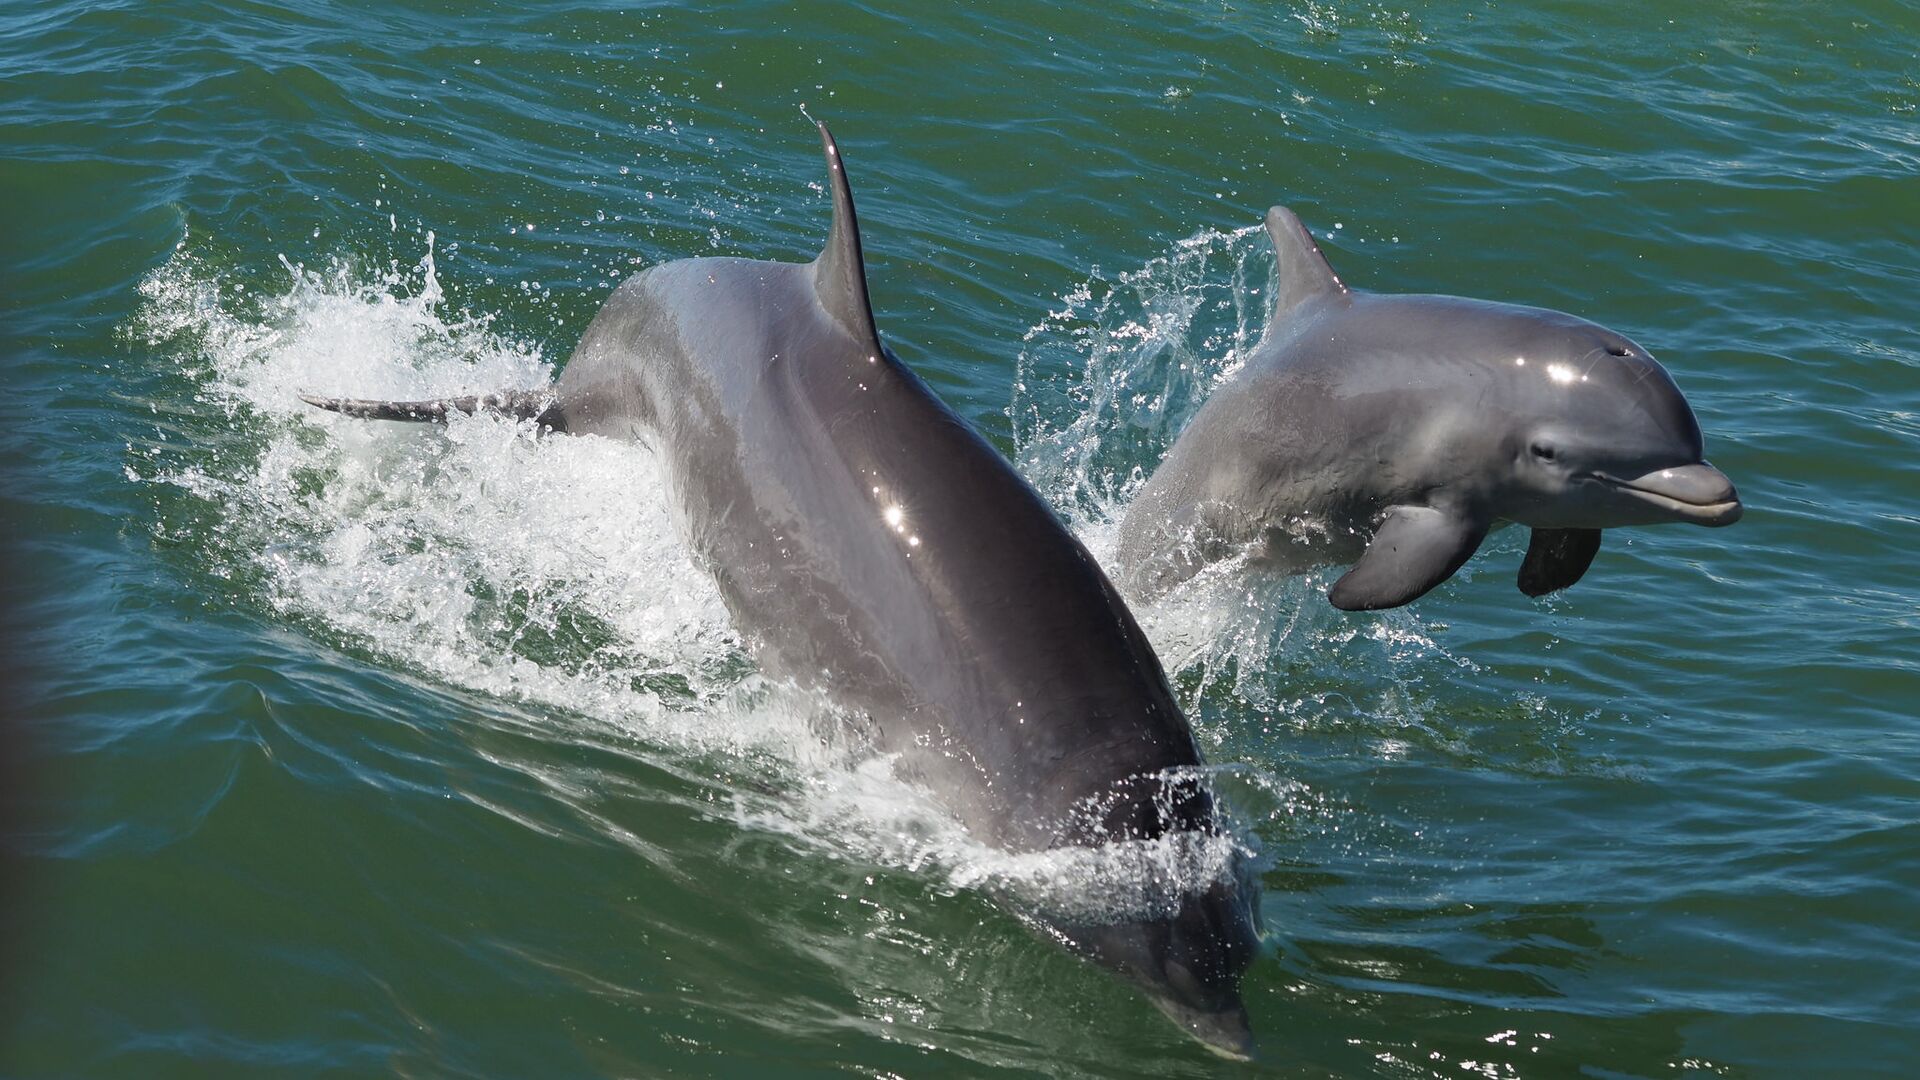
(871, 546)
(1398, 430)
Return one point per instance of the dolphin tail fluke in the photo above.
(538, 405)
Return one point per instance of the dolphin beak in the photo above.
(1697, 493)
(1226, 1032)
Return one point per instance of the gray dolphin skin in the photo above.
(1393, 432)
(872, 547)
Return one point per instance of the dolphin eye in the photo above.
(1544, 451)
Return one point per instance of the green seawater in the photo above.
(364, 749)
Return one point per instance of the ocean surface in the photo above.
(367, 749)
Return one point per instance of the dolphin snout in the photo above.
(1189, 964)
(1209, 946)
(1698, 493)
(1224, 1030)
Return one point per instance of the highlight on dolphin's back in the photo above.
(1394, 432)
(872, 548)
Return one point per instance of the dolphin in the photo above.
(871, 546)
(1394, 432)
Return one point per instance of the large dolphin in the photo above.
(870, 545)
(1398, 430)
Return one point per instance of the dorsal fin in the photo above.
(840, 273)
(1304, 272)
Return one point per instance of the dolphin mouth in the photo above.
(1697, 493)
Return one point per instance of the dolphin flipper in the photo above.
(1556, 558)
(1416, 548)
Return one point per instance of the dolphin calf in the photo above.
(871, 546)
(1393, 432)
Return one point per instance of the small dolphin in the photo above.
(1398, 430)
(870, 545)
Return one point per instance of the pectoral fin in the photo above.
(1416, 548)
(1556, 558)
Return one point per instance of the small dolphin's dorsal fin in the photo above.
(1304, 272)
(840, 273)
